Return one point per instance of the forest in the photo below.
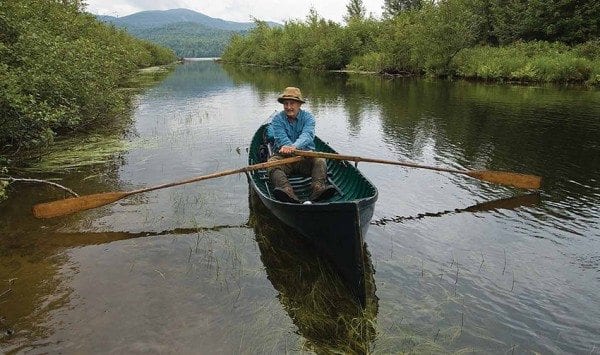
(498, 40)
(61, 72)
(188, 33)
(186, 39)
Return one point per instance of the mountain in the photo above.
(188, 33)
(157, 18)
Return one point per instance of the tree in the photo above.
(355, 10)
(392, 8)
(568, 21)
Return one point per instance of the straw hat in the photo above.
(291, 93)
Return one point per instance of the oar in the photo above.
(523, 181)
(81, 203)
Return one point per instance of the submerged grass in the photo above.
(78, 152)
(327, 316)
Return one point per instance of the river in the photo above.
(187, 269)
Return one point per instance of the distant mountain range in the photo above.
(188, 33)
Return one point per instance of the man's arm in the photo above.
(307, 136)
(279, 133)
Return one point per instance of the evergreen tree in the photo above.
(355, 10)
(568, 21)
(392, 8)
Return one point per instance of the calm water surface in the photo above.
(188, 270)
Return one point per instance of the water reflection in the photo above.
(34, 276)
(326, 314)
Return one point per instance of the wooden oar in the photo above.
(81, 203)
(523, 181)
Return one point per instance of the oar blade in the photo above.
(523, 181)
(75, 204)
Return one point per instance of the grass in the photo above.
(531, 62)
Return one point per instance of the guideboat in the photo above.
(335, 226)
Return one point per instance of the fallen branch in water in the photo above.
(11, 180)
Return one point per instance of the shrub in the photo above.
(371, 62)
(589, 49)
(60, 70)
(533, 61)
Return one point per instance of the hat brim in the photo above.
(294, 98)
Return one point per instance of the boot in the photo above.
(283, 189)
(321, 191)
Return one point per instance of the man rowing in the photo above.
(294, 129)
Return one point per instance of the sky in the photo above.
(236, 10)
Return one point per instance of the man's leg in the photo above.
(321, 190)
(278, 175)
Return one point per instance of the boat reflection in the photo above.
(312, 293)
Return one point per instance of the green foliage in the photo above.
(369, 62)
(326, 47)
(529, 62)
(186, 39)
(3, 183)
(316, 44)
(355, 11)
(439, 32)
(568, 21)
(594, 78)
(395, 44)
(363, 34)
(60, 71)
(589, 50)
(393, 8)
(3, 193)
(438, 38)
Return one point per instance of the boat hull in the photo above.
(336, 230)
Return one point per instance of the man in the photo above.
(294, 129)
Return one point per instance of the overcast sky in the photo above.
(236, 10)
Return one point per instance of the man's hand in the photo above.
(287, 149)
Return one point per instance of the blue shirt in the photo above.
(299, 132)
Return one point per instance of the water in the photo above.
(182, 270)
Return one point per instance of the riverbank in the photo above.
(452, 38)
(94, 145)
(63, 74)
(520, 63)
